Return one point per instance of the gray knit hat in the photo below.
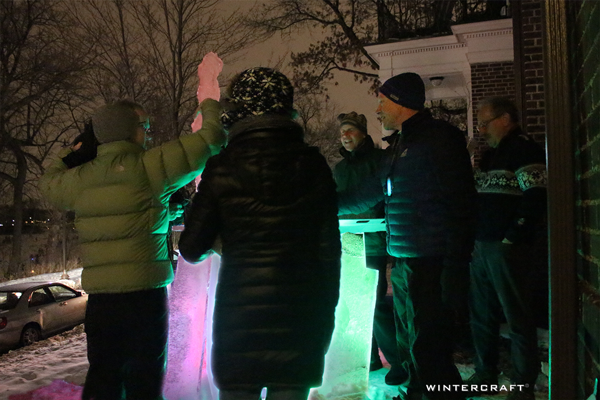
(114, 122)
(359, 121)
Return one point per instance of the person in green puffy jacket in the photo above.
(121, 199)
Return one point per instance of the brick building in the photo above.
(547, 58)
(571, 49)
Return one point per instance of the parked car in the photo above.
(30, 311)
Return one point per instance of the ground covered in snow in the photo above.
(63, 358)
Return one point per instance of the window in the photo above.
(39, 298)
(62, 293)
(9, 300)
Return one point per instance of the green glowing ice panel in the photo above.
(347, 361)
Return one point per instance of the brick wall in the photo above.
(533, 69)
(488, 80)
(498, 79)
(585, 69)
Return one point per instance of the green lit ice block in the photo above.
(347, 362)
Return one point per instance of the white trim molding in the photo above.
(449, 56)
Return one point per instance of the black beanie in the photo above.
(258, 91)
(406, 89)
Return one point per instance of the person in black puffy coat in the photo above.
(272, 200)
(426, 183)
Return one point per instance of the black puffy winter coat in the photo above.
(357, 165)
(271, 198)
(430, 200)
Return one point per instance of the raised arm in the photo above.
(177, 162)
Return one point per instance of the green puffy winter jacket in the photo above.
(121, 200)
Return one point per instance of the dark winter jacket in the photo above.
(511, 185)
(430, 198)
(271, 198)
(354, 167)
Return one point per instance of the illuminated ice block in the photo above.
(346, 375)
(208, 390)
(191, 302)
(191, 298)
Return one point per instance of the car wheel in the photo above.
(30, 335)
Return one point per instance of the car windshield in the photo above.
(8, 300)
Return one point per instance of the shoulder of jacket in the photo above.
(343, 163)
(524, 144)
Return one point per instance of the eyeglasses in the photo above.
(484, 124)
(145, 126)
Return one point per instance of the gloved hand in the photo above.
(85, 147)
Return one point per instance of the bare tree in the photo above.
(350, 25)
(149, 50)
(38, 75)
(318, 116)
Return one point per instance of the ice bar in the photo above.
(191, 301)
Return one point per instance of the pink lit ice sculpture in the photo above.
(191, 304)
(208, 88)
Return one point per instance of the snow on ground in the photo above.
(59, 357)
(63, 357)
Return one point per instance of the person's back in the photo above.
(271, 199)
(269, 184)
(120, 202)
(120, 199)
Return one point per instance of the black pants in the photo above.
(126, 343)
(498, 283)
(384, 327)
(455, 298)
(424, 342)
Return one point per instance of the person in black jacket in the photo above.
(426, 182)
(511, 185)
(271, 199)
(361, 159)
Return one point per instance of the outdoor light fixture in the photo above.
(436, 80)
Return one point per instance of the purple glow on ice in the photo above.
(190, 328)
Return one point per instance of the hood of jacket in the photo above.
(268, 155)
